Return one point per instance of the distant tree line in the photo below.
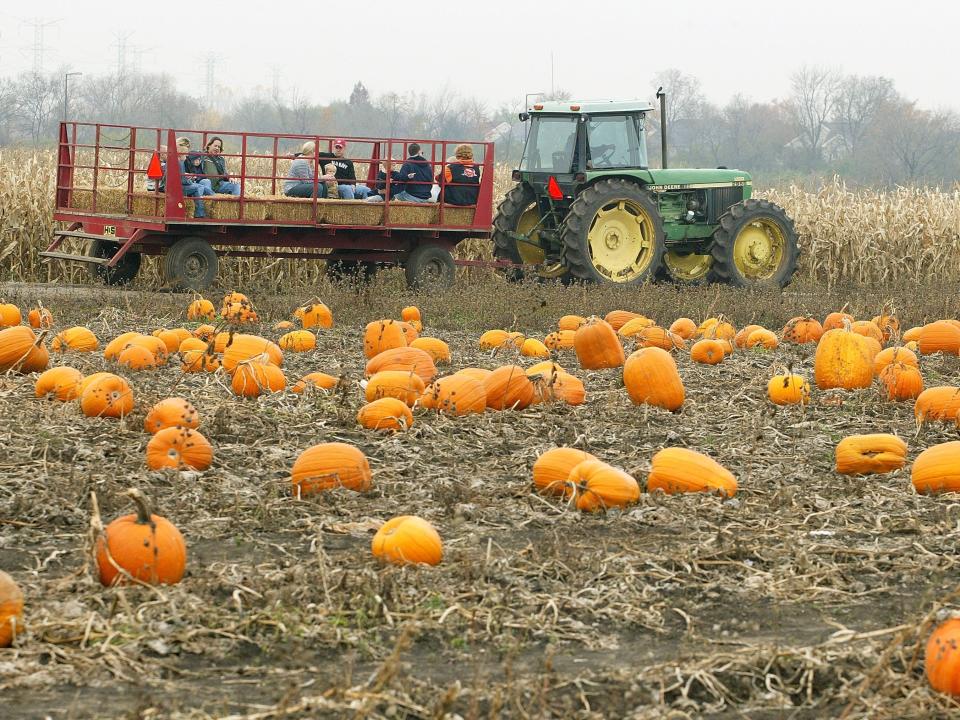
(859, 127)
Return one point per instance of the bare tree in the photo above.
(919, 144)
(858, 100)
(684, 96)
(812, 102)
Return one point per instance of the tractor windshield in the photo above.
(551, 143)
(616, 141)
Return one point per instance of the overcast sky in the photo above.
(496, 50)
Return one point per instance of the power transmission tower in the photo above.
(122, 50)
(210, 85)
(38, 46)
(276, 81)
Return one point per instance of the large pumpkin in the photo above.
(938, 403)
(940, 336)
(942, 657)
(875, 453)
(434, 347)
(16, 345)
(201, 309)
(937, 469)
(178, 448)
(387, 413)
(107, 396)
(252, 378)
(11, 610)
(551, 471)
(407, 359)
(407, 539)
(401, 384)
(599, 486)
(146, 546)
(381, 335)
(802, 329)
(314, 315)
(330, 465)
(679, 470)
(239, 347)
(457, 394)
(901, 382)
(298, 341)
(61, 382)
(843, 359)
(509, 388)
(9, 315)
(79, 339)
(171, 412)
(650, 376)
(597, 345)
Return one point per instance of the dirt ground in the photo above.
(808, 595)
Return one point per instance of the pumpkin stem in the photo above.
(144, 511)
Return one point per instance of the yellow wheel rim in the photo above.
(622, 240)
(687, 267)
(533, 254)
(758, 249)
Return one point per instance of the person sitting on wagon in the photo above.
(416, 176)
(191, 187)
(461, 179)
(383, 190)
(346, 173)
(215, 169)
(300, 183)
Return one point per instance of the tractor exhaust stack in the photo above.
(662, 97)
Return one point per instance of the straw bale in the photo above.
(149, 204)
(287, 209)
(223, 207)
(110, 201)
(402, 213)
(458, 215)
(351, 212)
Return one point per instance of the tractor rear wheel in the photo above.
(755, 246)
(685, 268)
(613, 233)
(124, 271)
(518, 214)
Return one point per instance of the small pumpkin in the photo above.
(411, 313)
(680, 470)
(387, 413)
(284, 325)
(762, 338)
(171, 412)
(400, 384)
(195, 361)
(599, 486)
(650, 376)
(545, 368)
(716, 328)
(562, 386)
(144, 546)
(382, 335)
(156, 346)
(106, 396)
(534, 348)
(901, 382)
(897, 354)
(888, 324)
(298, 341)
(937, 469)
(435, 348)
(707, 351)
(171, 339)
(403, 358)
(201, 309)
(458, 394)
(407, 539)
(938, 403)
(9, 315)
(560, 340)
(570, 322)
(179, 447)
(634, 326)
(802, 329)
(314, 315)
(330, 465)
(837, 320)
(740, 339)
(78, 339)
(11, 610)
(40, 318)
(867, 329)
(788, 389)
(942, 657)
(684, 328)
(205, 333)
(551, 471)
(254, 377)
(317, 380)
(63, 383)
(618, 318)
(508, 387)
(875, 453)
(597, 345)
(493, 339)
(115, 347)
(136, 357)
(656, 336)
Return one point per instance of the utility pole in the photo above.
(66, 92)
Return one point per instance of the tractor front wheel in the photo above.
(685, 268)
(613, 233)
(755, 246)
(518, 214)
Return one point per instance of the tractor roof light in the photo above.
(538, 106)
(575, 108)
(553, 189)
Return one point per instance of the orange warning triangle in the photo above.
(154, 171)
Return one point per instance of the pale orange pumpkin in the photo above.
(315, 380)
(534, 348)
(940, 336)
(762, 338)
(938, 403)
(330, 465)
(387, 413)
(9, 315)
(650, 376)
(599, 486)
(865, 454)
(63, 383)
(937, 469)
(634, 326)
(240, 347)
(570, 322)
(458, 394)
(656, 336)
(680, 470)
(597, 345)
(560, 340)
(400, 384)
(78, 339)
(434, 347)
(478, 374)
(618, 318)
(551, 471)
(298, 341)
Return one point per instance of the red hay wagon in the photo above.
(104, 196)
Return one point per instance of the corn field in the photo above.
(864, 236)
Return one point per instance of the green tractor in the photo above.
(587, 208)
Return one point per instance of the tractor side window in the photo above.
(614, 142)
(551, 144)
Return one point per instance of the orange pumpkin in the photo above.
(382, 335)
(684, 328)
(551, 471)
(315, 379)
(205, 333)
(387, 413)
(330, 465)
(837, 320)
(314, 315)
(493, 339)
(740, 339)
(716, 328)
(534, 348)
(400, 384)
(570, 322)
(201, 309)
(107, 396)
(867, 329)
(252, 378)
(679, 470)
(435, 348)
(707, 351)
(509, 388)
(788, 389)
(802, 330)
(298, 341)
(650, 376)
(618, 318)
(179, 447)
(79, 339)
(171, 339)
(865, 454)
(901, 355)
(937, 469)
(9, 315)
(940, 336)
(409, 359)
(407, 539)
(562, 386)
(241, 347)
(599, 486)
(195, 361)
(597, 345)
(144, 546)
(478, 374)
(283, 325)
(458, 394)
(155, 345)
(410, 331)
(137, 357)
(560, 340)
(116, 346)
(938, 403)
(656, 336)
(411, 313)
(889, 325)
(634, 326)
(16, 346)
(901, 382)
(911, 335)
(762, 338)
(844, 359)
(40, 318)
(942, 657)
(171, 412)
(11, 610)
(63, 383)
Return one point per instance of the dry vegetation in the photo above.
(846, 236)
(808, 595)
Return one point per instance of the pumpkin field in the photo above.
(699, 547)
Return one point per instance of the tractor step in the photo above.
(78, 258)
(86, 235)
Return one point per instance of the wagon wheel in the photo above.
(125, 270)
(190, 264)
(430, 267)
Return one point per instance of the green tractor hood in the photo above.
(683, 178)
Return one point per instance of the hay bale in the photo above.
(287, 209)
(351, 212)
(148, 204)
(256, 209)
(458, 215)
(110, 201)
(222, 207)
(402, 213)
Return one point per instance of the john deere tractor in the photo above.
(586, 207)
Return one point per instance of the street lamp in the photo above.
(66, 96)
(526, 106)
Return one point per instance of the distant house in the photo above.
(832, 146)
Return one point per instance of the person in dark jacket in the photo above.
(382, 191)
(347, 186)
(416, 176)
(461, 179)
(215, 169)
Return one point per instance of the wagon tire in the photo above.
(430, 267)
(190, 264)
(125, 270)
